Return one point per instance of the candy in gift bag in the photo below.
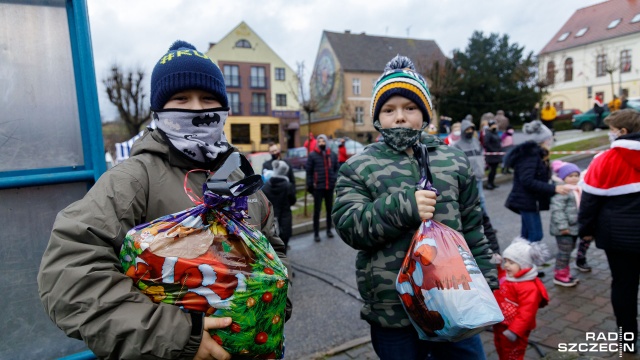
(209, 259)
(440, 284)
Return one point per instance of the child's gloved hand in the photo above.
(510, 335)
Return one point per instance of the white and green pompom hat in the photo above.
(400, 78)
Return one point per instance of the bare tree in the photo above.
(609, 65)
(126, 92)
(309, 105)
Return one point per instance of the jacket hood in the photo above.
(523, 150)
(465, 125)
(630, 142)
(615, 171)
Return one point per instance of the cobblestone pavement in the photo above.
(570, 314)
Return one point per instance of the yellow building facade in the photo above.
(262, 91)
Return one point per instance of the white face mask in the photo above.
(198, 134)
(457, 133)
(613, 136)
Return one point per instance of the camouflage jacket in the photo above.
(376, 212)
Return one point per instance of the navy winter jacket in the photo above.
(322, 169)
(531, 188)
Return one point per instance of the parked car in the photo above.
(567, 114)
(587, 121)
(297, 157)
(353, 147)
(634, 103)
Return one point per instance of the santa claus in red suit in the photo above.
(610, 213)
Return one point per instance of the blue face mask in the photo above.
(198, 134)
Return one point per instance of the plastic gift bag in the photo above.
(440, 285)
(209, 259)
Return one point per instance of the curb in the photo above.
(307, 227)
(339, 349)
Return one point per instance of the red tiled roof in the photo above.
(597, 18)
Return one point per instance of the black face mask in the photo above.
(494, 129)
(275, 156)
(322, 147)
(468, 135)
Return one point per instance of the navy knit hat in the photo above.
(400, 78)
(183, 68)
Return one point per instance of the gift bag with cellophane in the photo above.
(441, 286)
(209, 259)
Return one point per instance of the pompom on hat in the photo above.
(526, 253)
(400, 78)
(564, 169)
(280, 168)
(536, 131)
(183, 68)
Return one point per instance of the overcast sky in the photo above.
(136, 33)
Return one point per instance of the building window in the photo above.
(269, 133)
(635, 18)
(240, 134)
(258, 78)
(551, 72)
(625, 61)
(234, 103)
(564, 36)
(280, 74)
(614, 23)
(582, 31)
(568, 69)
(258, 104)
(231, 75)
(281, 99)
(243, 43)
(559, 105)
(359, 115)
(355, 85)
(601, 65)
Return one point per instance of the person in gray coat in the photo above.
(471, 147)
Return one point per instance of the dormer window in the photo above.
(242, 43)
(614, 23)
(635, 18)
(582, 31)
(564, 36)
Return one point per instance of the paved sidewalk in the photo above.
(570, 314)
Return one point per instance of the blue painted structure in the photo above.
(31, 196)
(89, 112)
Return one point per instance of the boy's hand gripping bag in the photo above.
(209, 259)
(440, 285)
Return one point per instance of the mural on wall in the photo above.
(326, 83)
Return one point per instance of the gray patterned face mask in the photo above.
(400, 139)
(198, 134)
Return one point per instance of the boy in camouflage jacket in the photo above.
(378, 210)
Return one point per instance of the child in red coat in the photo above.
(520, 296)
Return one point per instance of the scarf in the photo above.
(198, 134)
(524, 275)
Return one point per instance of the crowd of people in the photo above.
(377, 210)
